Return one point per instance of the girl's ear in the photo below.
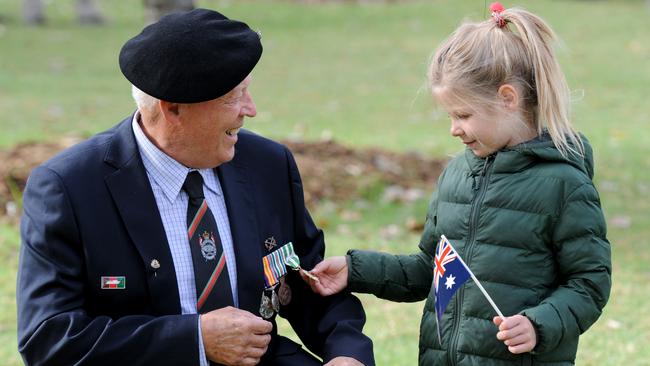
(509, 96)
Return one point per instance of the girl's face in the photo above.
(484, 130)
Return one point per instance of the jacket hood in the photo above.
(519, 157)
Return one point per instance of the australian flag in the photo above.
(449, 273)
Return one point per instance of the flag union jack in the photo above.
(450, 268)
(444, 255)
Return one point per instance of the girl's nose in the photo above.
(455, 129)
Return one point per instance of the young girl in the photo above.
(519, 206)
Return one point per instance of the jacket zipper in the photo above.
(474, 213)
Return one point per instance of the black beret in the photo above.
(191, 57)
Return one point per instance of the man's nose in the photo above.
(248, 108)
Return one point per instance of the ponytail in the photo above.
(514, 47)
(552, 90)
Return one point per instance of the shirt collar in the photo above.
(168, 173)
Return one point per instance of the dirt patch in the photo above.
(338, 173)
(330, 171)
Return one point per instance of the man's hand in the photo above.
(332, 276)
(343, 361)
(234, 337)
(517, 332)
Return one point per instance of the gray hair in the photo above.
(142, 99)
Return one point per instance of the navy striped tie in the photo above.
(210, 270)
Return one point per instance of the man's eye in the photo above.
(463, 116)
(232, 101)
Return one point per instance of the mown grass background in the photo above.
(355, 72)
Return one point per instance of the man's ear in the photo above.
(509, 96)
(169, 110)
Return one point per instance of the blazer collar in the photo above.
(243, 226)
(132, 194)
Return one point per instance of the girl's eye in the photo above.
(460, 116)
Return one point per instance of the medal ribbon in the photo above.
(273, 268)
(289, 256)
(274, 264)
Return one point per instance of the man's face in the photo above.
(207, 132)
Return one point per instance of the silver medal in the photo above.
(275, 302)
(266, 311)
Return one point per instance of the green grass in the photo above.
(356, 72)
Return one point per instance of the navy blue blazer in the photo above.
(90, 212)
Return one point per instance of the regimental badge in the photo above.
(270, 243)
(208, 247)
(284, 292)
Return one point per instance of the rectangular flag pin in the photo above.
(449, 273)
(113, 283)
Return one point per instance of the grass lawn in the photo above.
(356, 72)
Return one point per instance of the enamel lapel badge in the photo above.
(113, 283)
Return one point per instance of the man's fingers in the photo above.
(261, 326)
(256, 352)
(253, 355)
(260, 341)
(250, 361)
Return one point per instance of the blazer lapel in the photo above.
(243, 226)
(131, 191)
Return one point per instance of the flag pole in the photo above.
(487, 296)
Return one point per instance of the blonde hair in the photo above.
(480, 57)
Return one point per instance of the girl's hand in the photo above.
(517, 332)
(332, 276)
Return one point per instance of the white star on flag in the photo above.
(450, 282)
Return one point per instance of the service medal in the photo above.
(284, 293)
(266, 311)
(275, 303)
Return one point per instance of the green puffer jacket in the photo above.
(528, 223)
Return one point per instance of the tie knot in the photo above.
(194, 185)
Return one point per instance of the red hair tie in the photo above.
(496, 8)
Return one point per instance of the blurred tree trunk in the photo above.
(156, 9)
(87, 12)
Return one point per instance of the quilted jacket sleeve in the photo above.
(405, 278)
(583, 260)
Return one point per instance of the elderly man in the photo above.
(171, 238)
